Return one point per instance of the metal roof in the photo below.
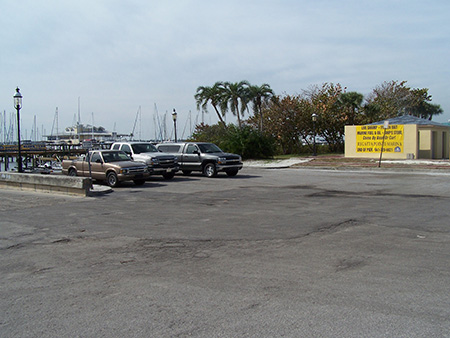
(409, 119)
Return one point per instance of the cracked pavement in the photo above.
(285, 252)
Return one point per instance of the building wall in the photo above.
(424, 144)
(434, 143)
(410, 144)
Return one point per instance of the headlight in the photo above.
(222, 160)
(154, 161)
(124, 171)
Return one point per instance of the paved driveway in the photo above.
(269, 253)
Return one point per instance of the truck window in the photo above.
(191, 149)
(169, 148)
(116, 146)
(209, 148)
(95, 157)
(115, 156)
(126, 148)
(144, 148)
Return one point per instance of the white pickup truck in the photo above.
(158, 163)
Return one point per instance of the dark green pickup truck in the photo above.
(204, 157)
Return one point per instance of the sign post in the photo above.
(385, 126)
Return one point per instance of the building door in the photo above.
(434, 144)
(445, 145)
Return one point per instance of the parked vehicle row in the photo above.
(158, 163)
(136, 161)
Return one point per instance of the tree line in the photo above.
(235, 97)
(287, 119)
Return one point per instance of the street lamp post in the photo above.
(174, 117)
(314, 119)
(18, 104)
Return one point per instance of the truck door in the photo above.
(127, 149)
(191, 157)
(97, 169)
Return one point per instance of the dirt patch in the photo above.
(339, 161)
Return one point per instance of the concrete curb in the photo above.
(98, 190)
(78, 186)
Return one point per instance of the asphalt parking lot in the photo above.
(268, 253)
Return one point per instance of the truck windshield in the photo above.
(144, 148)
(209, 148)
(115, 156)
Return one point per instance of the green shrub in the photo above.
(246, 141)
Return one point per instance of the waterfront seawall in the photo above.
(78, 186)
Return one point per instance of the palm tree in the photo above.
(258, 95)
(210, 94)
(232, 95)
(351, 101)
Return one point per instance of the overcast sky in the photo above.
(113, 56)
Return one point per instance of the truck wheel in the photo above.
(139, 182)
(112, 180)
(168, 176)
(209, 170)
(186, 172)
(232, 173)
(72, 172)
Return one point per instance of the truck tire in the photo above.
(72, 172)
(111, 179)
(168, 176)
(232, 172)
(209, 170)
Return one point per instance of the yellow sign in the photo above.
(369, 139)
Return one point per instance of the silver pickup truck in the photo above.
(204, 157)
(158, 163)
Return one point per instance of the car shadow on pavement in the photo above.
(218, 176)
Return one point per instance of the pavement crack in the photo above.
(340, 193)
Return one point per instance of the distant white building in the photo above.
(80, 133)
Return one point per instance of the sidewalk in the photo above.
(341, 162)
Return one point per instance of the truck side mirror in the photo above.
(98, 160)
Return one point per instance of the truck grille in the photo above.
(166, 163)
(232, 160)
(139, 170)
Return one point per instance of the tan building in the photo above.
(403, 137)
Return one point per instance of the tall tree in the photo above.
(210, 94)
(281, 120)
(394, 98)
(388, 100)
(428, 110)
(259, 95)
(351, 103)
(331, 119)
(235, 96)
(421, 106)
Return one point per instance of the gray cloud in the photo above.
(119, 55)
